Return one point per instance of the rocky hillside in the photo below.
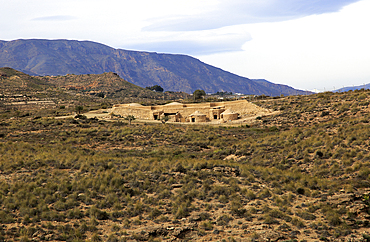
(12, 81)
(21, 91)
(172, 72)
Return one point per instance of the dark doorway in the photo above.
(215, 116)
(193, 120)
(155, 117)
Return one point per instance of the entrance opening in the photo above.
(193, 120)
(215, 116)
(168, 114)
(155, 117)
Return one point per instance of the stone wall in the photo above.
(140, 112)
(229, 116)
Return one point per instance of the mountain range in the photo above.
(346, 89)
(170, 71)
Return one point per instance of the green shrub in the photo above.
(249, 194)
(223, 220)
(181, 211)
(265, 193)
(306, 215)
(270, 220)
(206, 225)
(154, 213)
(298, 222)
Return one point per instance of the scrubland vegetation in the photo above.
(301, 175)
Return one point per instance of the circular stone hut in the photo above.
(229, 115)
(197, 117)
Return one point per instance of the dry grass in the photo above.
(299, 175)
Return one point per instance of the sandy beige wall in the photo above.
(136, 112)
(230, 116)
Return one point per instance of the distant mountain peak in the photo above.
(170, 71)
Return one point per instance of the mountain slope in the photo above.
(346, 89)
(12, 81)
(172, 72)
(108, 85)
(283, 89)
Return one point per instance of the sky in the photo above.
(310, 45)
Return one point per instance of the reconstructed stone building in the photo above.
(194, 112)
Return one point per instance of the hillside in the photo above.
(22, 91)
(302, 174)
(12, 81)
(108, 85)
(172, 72)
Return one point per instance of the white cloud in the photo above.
(236, 12)
(55, 18)
(320, 51)
(195, 43)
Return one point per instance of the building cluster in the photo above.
(194, 112)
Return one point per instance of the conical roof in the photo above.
(173, 103)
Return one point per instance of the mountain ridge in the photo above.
(107, 84)
(174, 72)
(353, 88)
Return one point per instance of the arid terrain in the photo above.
(301, 174)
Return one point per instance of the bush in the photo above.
(154, 213)
(250, 195)
(224, 220)
(334, 219)
(98, 214)
(182, 211)
(206, 225)
(6, 218)
(306, 215)
(265, 193)
(270, 220)
(80, 116)
(298, 222)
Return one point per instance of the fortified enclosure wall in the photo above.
(140, 112)
(179, 112)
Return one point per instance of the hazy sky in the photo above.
(322, 44)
